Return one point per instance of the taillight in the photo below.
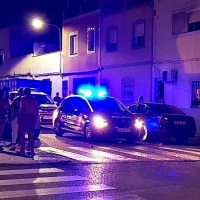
(162, 120)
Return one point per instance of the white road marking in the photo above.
(171, 155)
(101, 153)
(68, 154)
(53, 191)
(138, 154)
(181, 152)
(41, 180)
(30, 171)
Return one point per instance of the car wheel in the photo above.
(88, 133)
(182, 140)
(36, 133)
(57, 128)
(143, 134)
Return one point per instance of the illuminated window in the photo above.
(138, 34)
(128, 85)
(112, 39)
(186, 22)
(195, 100)
(1, 56)
(73, 43)
(90, 40)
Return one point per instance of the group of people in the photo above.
(22, 112)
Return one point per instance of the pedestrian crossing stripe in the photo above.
(68, 154)
(30, 171)
(42, 180)
(53, 191)
(101, 153)
(165, 152)
(134, 153)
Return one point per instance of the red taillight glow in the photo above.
(162, 120)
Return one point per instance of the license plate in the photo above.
(47, 117)
(180, 122)
(123, 130)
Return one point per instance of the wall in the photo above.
(83, 61)
(128, 62)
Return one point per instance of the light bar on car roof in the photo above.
(92, 92)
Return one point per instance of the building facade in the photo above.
(17, 61)
(176, 70)
(81, 54)
(111, 48)
(126, 49)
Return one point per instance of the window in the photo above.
(195, 99)
(128, 88)
(184, 22)
(73, 43)
(90, 40)
(112, 39)
(1, 56)
(139, 34)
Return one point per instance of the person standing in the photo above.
(140, 100)
(28, 115)
(57, 99)
(4, 110)
(15, 106)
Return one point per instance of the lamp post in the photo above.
(37, 23)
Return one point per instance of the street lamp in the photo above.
(37, 23)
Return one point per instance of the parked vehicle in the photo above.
(46, 108)
(97, 117)
(164, 121)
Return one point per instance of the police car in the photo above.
(46, 108)
(93, 114)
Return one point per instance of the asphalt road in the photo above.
(111, 170)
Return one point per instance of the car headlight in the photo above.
(99, 122)
(139, 123)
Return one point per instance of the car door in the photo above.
(66, 113)
(139, 110)
(80, 110)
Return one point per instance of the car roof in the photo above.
(32, 92)
(151, 103)
(88, 99)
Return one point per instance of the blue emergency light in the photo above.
(92, 92)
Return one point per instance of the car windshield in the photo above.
(43, 99)
(108, 105)
(165, 109)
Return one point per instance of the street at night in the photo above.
(69, 167)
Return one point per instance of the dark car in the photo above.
(94, 118)
(46, 108)
(165, 121)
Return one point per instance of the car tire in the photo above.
(36, 133)
(143, 134)
(182, 140)
(57, 128)
(88, 133)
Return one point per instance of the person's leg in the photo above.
(14, 133)
(22, 142)
(31, 142)
(1, 133)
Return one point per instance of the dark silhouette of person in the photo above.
(57, 99)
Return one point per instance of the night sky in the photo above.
(20, 12)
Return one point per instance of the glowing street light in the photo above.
(37, 23)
